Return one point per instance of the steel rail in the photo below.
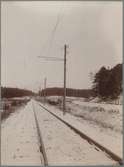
(42, 147)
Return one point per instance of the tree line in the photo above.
(7, 92)
(107, 83)
(56, 91)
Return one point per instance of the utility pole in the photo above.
(39, 91)
(64, 91)
(64, 88)
(45, 80)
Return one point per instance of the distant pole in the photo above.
(64, 95)
(39, 91)
(45, 80)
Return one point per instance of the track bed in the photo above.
(63, 146)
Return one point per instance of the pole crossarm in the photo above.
(51, 58)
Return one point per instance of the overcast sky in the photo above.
(93, 31)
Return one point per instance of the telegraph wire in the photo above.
(49, 42)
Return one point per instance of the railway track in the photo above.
(114, 159)
(44, 160)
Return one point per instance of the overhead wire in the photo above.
(50, 41)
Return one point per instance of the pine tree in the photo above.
(115, 82)
(100, 82)
(107, 83)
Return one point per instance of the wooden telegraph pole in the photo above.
(64, 88)
(64, 91)
(45, 80)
